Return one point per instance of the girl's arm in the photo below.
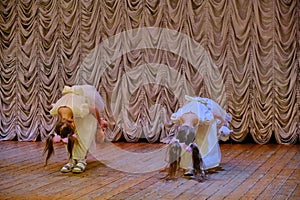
(220, 117)
(103, 123)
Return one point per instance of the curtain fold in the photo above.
(144, 56)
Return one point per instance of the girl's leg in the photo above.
(70, 165)
(86, 129)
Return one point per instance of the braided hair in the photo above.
(197, 163)
(174, 153)
(185, 134)
(64, 130)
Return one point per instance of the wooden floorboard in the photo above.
(248, 171)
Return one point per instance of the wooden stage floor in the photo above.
(248, 171)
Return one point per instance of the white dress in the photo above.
(206, 130)
(79, 98)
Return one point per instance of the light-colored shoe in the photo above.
(79, 168)
(190, 172)
(67, 168)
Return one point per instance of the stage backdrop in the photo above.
(143, 56)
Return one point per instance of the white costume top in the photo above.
(79, 98)
(217, 110)
(195, 106)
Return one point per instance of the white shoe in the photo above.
(189, 173)
(79, 168)
(67, 168)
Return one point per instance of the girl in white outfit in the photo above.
(209, 121)
(79, 111)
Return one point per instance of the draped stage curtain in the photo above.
(143, 56)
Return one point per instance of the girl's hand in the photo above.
(103, 124)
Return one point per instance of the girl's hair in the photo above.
(49, 147)
(197, 163)
(196, 158)
(174, 153)
(64, 130)
(186, 134)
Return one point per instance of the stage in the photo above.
(248, 171)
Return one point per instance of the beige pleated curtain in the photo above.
(143, 56)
